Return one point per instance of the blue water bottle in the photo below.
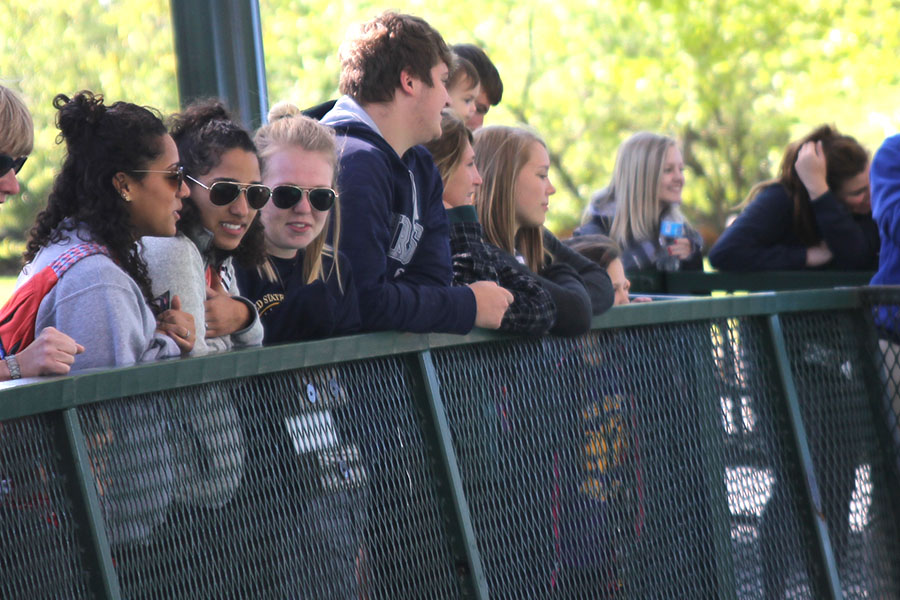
(670, 230)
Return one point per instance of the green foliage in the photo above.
(733, 80)
(122, 49)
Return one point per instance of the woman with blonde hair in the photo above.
(52, 352)
(474, 259)
(512, 205)
(305, 289)
(645, 192)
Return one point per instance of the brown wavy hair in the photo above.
(376, 52)
(845, 158)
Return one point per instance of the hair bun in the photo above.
(78, 115)
(283, 110)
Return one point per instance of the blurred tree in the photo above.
(734, 80)
(122, 49)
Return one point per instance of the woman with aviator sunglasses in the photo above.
(303, 276)
(219, 225)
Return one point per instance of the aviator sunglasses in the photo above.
(287, 196)
(226, 192)
(8, 162)
(177, 174)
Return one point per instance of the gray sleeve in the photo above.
(102, 308)
(175, 266)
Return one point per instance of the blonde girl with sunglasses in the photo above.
(305, 289)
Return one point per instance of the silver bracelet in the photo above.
(13, 365)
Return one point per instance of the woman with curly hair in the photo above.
(219, 224)
(119, 182)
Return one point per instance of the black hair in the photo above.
(100, 142)
(204, 132)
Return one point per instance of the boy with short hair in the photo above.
(394, 76)
(464, 86)
(491, 91)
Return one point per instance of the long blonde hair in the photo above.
(288, 127)
(500, 154)
(635, 188)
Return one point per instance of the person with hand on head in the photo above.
(305, 289)
(52, 352)
(512, 205)
(119, 182)
(219, 224)
(490, 90)
(394, 78)
(815, 214)
(474, 259)
(644, 193)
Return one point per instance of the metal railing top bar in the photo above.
(698, 282)
(35, 396)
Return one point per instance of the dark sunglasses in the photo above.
(8, 162)
(176, 175)
(320, 198)
(226, 192)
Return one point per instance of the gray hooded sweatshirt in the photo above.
(100, 306)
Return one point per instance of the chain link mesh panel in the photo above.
(41, 556)
(829, 356)
(632, 463)
(310, 484)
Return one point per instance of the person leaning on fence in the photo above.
(474, 259)
(490, 90)
(218, 225)
(119, 182)
(512, 205)
(394, 73)
(305, 289)
(52, 352)
(606, 253)
(645, 191)
(816, 213)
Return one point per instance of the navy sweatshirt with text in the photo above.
(395, 233)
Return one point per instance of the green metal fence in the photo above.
(740, 447)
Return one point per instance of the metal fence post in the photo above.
(831, 583)
(218, 44)
(79, 479)
(437, 433)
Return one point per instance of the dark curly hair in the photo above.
(100, 142)
(204, 132)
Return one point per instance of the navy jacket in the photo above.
(395, 232)
(885, 177)
(762, 238)
(292, 310)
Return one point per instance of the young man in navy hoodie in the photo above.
(393, 223)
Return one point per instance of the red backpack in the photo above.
(18, 316)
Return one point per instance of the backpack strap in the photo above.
(19, 314)
(71, 256)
